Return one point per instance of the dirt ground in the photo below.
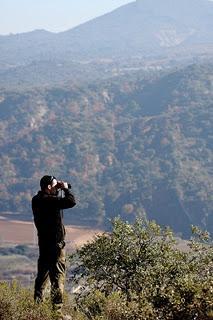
(20, 232)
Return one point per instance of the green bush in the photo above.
(137, 272)
(16, 303)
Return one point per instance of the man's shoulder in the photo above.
(36, 196)
(42, 196)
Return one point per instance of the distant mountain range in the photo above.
(143, 27)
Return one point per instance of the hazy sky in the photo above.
(53, 15)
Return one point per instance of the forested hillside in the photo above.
(129, 146)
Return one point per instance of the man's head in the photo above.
(48, 184)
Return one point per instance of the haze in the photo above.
(52, 15)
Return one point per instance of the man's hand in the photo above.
(64, 185)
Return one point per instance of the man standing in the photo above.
(47, 207)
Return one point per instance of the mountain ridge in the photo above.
(141, 27)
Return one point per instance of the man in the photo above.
(47, 207)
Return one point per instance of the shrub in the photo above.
(16, 303)
(137, 272)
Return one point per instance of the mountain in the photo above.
(129, 145)
(143, 27)
(147, 27)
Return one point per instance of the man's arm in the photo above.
(49, 202)
(68, 201)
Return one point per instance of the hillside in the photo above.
(128, 146)
(152, 27)
(140, 28)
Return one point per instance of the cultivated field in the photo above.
(19, 232)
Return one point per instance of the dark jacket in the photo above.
(48, 218)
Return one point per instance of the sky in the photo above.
(17, 16)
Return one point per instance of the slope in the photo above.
(129, 146)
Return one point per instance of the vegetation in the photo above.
(18, 262)
(128, 145)
(16, 303)
(136, 272)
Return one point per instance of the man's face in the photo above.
(52, 188)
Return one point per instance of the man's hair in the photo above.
(45, 181)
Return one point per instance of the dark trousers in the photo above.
(51, 266)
